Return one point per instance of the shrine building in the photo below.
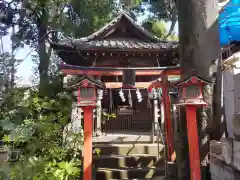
(127, 58)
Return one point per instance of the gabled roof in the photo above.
(114, 22)
(97, 82)
(94, 41)
(122, 35)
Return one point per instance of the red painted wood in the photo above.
(119, 73)
(193, 142)
(87, 149)
(168, 121)
(113, 85)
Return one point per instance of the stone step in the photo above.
(121, 161)
(155, 178)
(119, 139)
(129, 149)
(128, 173)
(134, 179)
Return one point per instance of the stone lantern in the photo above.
(191, 97)
(191, 90)
(85, 90)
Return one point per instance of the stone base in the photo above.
(221, 171)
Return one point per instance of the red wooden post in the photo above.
(167, 112)
(86, 94)
(87, 149)
(193, 142)
(191, 97)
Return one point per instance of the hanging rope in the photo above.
(121, 94)
(139, 96)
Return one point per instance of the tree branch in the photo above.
(174, 21)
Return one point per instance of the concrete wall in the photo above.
(228, 91)
(231, 89)
(225, 154)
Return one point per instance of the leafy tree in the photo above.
(85, 16)
(160, 9)
(8, 14)
(158, 28)
(39, 21)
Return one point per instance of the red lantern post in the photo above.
(191, 97)
(86, 93)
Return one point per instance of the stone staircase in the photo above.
(130, 160)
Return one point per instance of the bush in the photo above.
(34, 125)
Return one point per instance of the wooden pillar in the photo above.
(167, 112)
(193, 142)
(87, 149)
(175, 120)
(99, 113)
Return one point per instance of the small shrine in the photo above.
(127, 59)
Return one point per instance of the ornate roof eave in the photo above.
(74, 82)
(200, 79)
(119, 46)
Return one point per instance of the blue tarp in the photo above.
(229, 20)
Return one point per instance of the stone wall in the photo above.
(3, 156)
(225, 159)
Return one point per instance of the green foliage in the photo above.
(161, 10)
(131, 3)
(86, 16)
(158, 28)
(107, 117)
(39, 21)
(34, 125)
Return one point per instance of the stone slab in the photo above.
(129, 149)
(236, 154)
(216, 150)
(118, 138)
(227, 150)
(221, 171)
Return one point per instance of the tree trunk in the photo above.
(13, 61)
(199, 50)
(42, 52)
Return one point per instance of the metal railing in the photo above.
(160, 135)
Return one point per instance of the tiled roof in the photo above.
(91, 41)
(124, 44)
(116, 44)
(114, 22)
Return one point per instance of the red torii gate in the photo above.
(164, 85)
(106, 71)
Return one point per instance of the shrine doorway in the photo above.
(131, 117)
